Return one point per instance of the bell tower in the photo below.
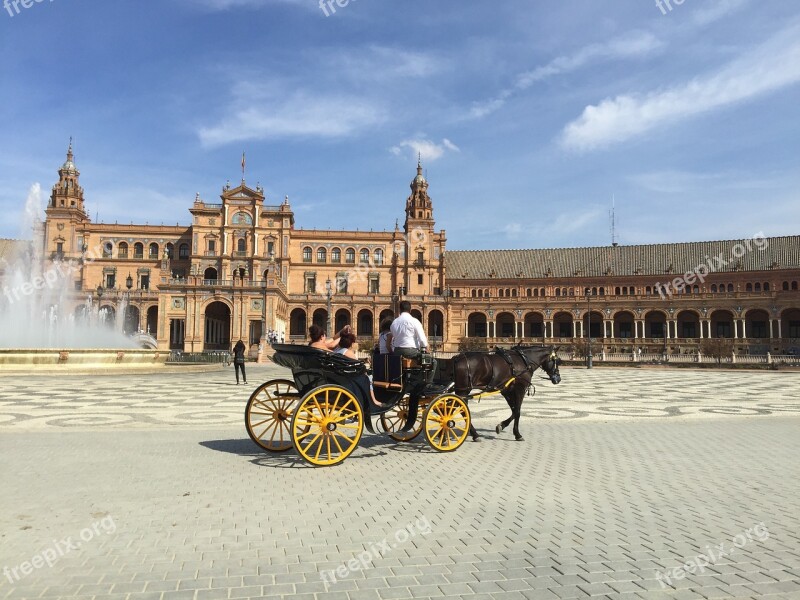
(419, 208)
(67, 196)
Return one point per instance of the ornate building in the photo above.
(242, 267)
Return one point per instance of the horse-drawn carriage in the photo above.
(323, 411)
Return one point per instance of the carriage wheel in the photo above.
(268, 414)
(327, 425)
(394, 419)
(446, 422)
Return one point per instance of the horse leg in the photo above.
(503, 424)
(517, 413)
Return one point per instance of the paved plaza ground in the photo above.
(147, 486)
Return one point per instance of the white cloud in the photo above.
(717, 10)
(770, 67)
(299, 115)
(635, 44)
(426, 149)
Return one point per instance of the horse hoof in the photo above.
(498, 429)
(520, 439)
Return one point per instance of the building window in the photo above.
(657, 329)
(144, 282)
(212, 246)
(626, 329)
(170, 251)
(341, 283)
(153, 250)
(111, 281)
(759, 329)
(307, 252)
(374, 285)
(311, 284)
(419, 279)
(350, 256)
(138, 250)
(689, 330)
(183, 251)
(108, 248)
(724, 329)
(270, 248)
(378, 257)
(794, 329)
(364, 256)
(336, 255)
(322, 255)
(241, 246)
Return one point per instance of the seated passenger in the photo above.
(320, 341)
(345, 348)
(385, 338)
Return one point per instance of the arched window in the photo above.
(757, 287)
(138, 250)
(475, 293)
(122, 250)
(458, 293)
(242, 218)
(307, 252)
(558, 292)
(183, 251)
(350, 256)
(513, 293)
(794, 286)
(170, 250)
(480, 293)
(364, 256)
(108, 250)
(730, 288)
(153, 253)
(766, 287)
(336, 255)
(748, 287)
(322, 255)
(378, 257)
(241, 245)
(714, 289)
(785, 286)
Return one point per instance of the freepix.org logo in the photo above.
(13, 7)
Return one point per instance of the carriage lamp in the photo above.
(129, 281)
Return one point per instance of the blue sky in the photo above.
(530, 116)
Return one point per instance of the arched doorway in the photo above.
(722, 324)
(505, 326)
(218, 327)
(534, 326)
(655, 325)
(210, 274)
(790, 325)
(563, 325)
(365, 328)
(320, 318)
(688, 324)
(343, 319)
(595, 327)
(108, 316)
(297, 323)
(152, 321)
(416, 314)
(623, 325)
(757, 325)
(477, 326)
(435, 326)
(130, 320)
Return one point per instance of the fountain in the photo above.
(39, 321)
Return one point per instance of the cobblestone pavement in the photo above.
(639, 483)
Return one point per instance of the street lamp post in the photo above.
(589, 326)
(329, 292)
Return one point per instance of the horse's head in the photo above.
(550, 365)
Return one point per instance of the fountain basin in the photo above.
(66, 360)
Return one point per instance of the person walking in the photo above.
(238, 360)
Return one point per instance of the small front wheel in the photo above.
(446, 422)
(394, 419)
(327, 425)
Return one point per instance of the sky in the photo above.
(531, 117)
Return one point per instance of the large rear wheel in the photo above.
(268, 414)
(446, 422)
(327, 425)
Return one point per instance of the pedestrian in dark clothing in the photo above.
(238, 360)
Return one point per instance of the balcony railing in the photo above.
(240, 253)
(211, 253)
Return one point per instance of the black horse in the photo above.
(506, 371)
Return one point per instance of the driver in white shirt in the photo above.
(409, 340)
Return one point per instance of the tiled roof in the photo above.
(653, 259)
(9, 249)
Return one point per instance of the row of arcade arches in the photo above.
(364, 324)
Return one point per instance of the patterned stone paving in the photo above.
(213, 398)
(632, 484)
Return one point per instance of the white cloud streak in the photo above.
(427, 149)
(635, 44)
(766, 69)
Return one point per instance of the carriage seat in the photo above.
(387, 371)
